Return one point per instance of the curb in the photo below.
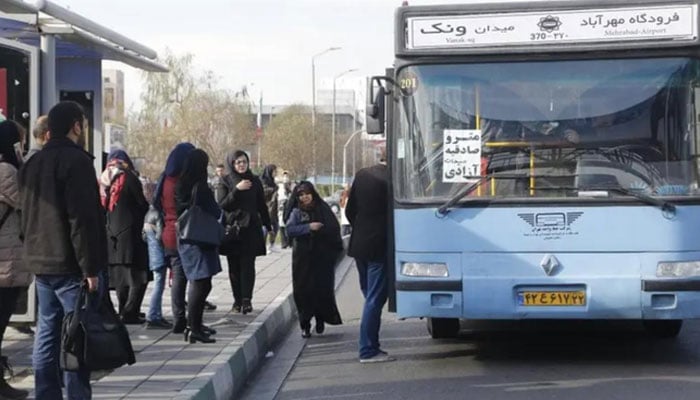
(229, 371)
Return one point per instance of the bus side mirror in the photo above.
(375, 115)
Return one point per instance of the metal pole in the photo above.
(313, 106)
(48, 72)
(345, 152)
(354, 158)
(333, 130)
(313, 115)
(333, 142)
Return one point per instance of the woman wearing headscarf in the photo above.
(270, 190)
(126, 207)
(316, 244)
(199, 262)
(14, 278)
(164, 202)
(242, 198)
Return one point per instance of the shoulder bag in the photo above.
(199, 227)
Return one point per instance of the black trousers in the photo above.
(130, 299)
(8, 300)
(241, 274)
(283, 237)
(199, 290)
(179, 286)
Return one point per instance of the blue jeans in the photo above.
(373, 283)
(57, 295)
(155, 308)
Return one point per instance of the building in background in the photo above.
(113, 112)
(113, 95)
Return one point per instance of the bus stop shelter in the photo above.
(49, 53)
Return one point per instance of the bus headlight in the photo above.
(681, 269)
(424, 269)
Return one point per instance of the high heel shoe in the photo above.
(246, 307)
(208, 331)
(195, 337)
(320, 327)
(186, 332)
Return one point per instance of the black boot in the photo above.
(7, 392)
(246, 307)
(180, 325)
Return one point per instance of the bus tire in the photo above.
(663, 328)
(443, 328)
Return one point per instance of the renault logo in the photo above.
(549, 263)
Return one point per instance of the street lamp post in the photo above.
(345, 151)
(333, 130)
(313, 103)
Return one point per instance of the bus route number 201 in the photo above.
(546, 36)
(408, 84)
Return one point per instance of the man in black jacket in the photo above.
(367, 211)
(64, 240)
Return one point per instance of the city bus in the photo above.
(544, 162)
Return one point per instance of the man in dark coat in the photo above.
(367, 211)
(64, 241)
(242, 198)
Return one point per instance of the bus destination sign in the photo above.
(553, 27)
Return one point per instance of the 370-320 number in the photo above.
(545, 36)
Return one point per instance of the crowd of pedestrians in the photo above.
(109, 233)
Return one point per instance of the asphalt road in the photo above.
(579, 360)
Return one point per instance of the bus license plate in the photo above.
(568, 298)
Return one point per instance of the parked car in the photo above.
(334, 201)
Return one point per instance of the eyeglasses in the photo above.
(240, 162)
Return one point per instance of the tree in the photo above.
(288, 142)
(184, 105)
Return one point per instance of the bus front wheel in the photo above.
(663, 328)
(443, 328)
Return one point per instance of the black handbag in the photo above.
(93, 337)
(199, 227)
(240, 220)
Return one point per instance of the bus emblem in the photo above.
(551, 225)
(549, 263)
(549, 24)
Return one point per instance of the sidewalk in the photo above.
(168, 367)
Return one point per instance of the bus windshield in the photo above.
(548, 129)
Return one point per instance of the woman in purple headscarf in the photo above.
(126, 207)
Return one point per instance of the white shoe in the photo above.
(379, 358)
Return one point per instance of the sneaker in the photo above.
(378, 358)
(24, 329)
(159, 324)
(209, 306)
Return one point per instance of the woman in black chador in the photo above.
(316, 239)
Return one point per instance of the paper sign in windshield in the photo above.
(461, 159)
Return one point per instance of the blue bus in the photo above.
(544, 162)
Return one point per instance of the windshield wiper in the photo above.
(651, 200)
(443, 210)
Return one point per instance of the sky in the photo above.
(266, 45)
